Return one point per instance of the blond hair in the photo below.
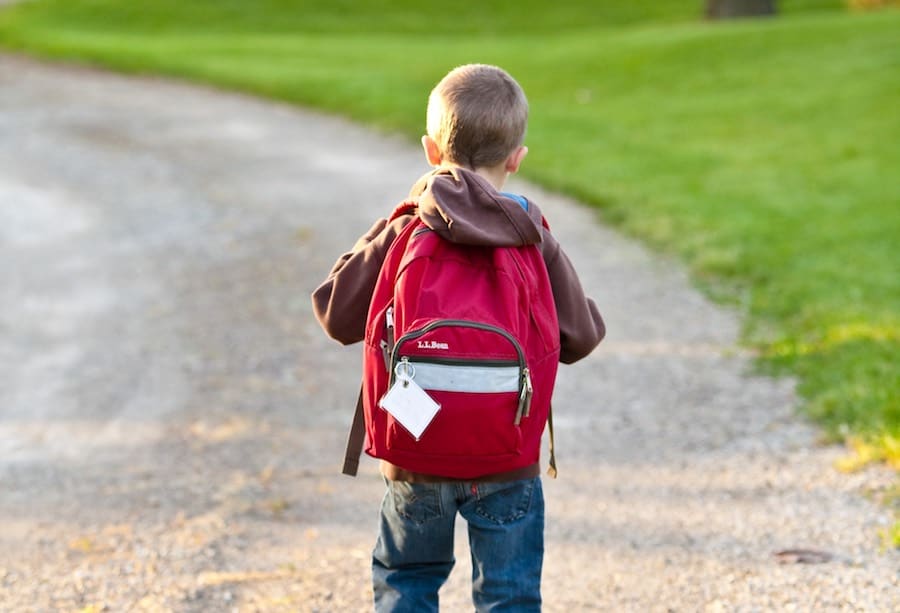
(477, 115)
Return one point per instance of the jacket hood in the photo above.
(465, 208)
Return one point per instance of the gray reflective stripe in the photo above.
(476, 379)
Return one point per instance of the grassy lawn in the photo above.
(762, 152)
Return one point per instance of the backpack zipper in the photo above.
(461, 323)
(464, 362)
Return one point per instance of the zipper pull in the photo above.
(404, 372)
(387, 345)
(529, 391)
(524, 397)
(386, 355)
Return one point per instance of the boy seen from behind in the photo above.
(476, 120)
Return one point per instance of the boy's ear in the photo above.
(432, 151)
(515, 159)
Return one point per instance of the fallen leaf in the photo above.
(803, 556)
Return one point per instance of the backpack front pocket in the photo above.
(468, 424)
(477, 373)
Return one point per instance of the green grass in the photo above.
(761, 152)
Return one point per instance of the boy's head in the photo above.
(476, 118)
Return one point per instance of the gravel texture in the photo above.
(172, 420)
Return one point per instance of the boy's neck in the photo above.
(495, 175)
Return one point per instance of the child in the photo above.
(476, 122)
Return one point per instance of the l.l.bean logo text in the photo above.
(432, 345)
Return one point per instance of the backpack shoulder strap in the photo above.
(355, 440)
(551, 470)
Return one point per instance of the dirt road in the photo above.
(172, 419)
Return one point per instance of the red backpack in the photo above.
(476, 329)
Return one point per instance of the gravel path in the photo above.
(172, 420)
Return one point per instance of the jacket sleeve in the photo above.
(581, 327)
(341, 302)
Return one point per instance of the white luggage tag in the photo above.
(409, 404)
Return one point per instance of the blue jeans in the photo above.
(414, 553)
